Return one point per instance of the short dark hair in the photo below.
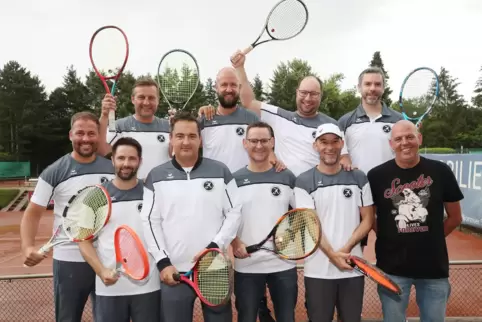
(260, 125)
(85, 116)
(145, 81)
(130, 142)
(371, 70)
(184, 116)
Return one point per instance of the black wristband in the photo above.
(163, 263)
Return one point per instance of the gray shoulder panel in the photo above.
(118, 195)
(66, 167)
(239, 117)
(308, 180)
(313, 179)
(130, 124)
(210, 168)
(312, 122)
(245, 177)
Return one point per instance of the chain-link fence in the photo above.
(29, 298)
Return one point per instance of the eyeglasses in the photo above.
(306, 93)
(256, 141)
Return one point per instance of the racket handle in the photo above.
(247, 50)
(176, 277)
(251, 249)
(112, 121)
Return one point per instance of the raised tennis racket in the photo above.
(286, 20)
(210, 278)
(86, 213)
(296, 235)
(375, 274)
(418, 94)
(178, 77)
(109, 51)
(130, 254)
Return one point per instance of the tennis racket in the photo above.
(86, 213)
(210, 278)
(109, 51)
(296, 235)
(419, 91)
(286, 20)
(178, 77)
(375, 274)
(130, 254)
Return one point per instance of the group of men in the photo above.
(359, 173)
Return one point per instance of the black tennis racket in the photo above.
(286, 20)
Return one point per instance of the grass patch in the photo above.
(7, 195)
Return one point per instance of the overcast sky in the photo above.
(46, 36)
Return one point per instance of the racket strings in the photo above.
(287, 20)
(419, 91)
(213, 277)
(178, 76)
(131, 254)
(87, 213)
(109, 51)
(298, 234)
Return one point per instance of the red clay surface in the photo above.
(31, 299)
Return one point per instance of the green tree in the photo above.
(211, 95)
(477, 98)
(285, 82)
(336, 102)
(377, 62)
(258, 90)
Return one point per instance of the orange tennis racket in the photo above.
(375, 274)
(130, 254)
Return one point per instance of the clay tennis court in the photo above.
(32, 299)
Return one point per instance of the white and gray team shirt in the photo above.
(295, 136)
(186, 210)
(153, 137)
(60, 181)
(367, 139)
(223, 137)
(126, 210)
(337, 199)
(265, 196)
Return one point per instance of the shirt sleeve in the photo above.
(366, 198)
(43, 192)
(232, 212)
(451, 189)
(113, 136)
(151, 221)
(269, 114)
(303, 199)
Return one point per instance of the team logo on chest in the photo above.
(103, 180)
(313, 134)
(386, 128)
(161, 138)
(208, 185)
(240, 131)
(275, 191)
(347, 192)
(139, 207)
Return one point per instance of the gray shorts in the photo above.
(323, 295)
(140, 308)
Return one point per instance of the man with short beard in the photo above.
(340, 199)
(151, 131)
(411, 195)
(74, 279)
(120, 298)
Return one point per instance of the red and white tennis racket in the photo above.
(109, 51)
(131, 257)
(211, 278)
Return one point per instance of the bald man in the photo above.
(410, 193)
(294, 131)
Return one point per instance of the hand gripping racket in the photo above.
(109, 51)
(419, 91)
(85, 215)
(210, 278)
(296, 235)
(178, 77)
(375, 274)
(130, 254)
(286, 20)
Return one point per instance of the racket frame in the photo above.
(159, 77)
(255, 247)
(265, 27)
(120, 265)
(114, 78)
(431, 105)
(53, 242)
(186, 278)
(353, 263)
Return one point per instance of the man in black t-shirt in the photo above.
(411, 193)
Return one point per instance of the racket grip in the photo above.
(247, 50)
(251, 249)
(176, 277)
(111, 121)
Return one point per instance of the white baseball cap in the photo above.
(328, 128)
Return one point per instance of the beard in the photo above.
(128, 176)
(228, 103)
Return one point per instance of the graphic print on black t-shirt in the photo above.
(410, 201)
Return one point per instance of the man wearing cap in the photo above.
(343, 202)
